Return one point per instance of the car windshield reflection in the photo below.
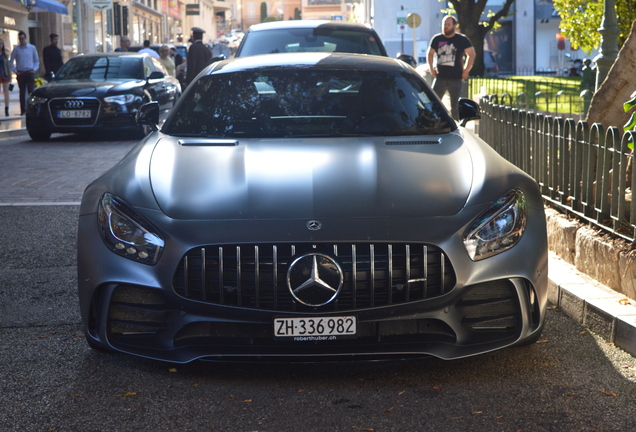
(102, 69)
(308, 103)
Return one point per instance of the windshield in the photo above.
(102, 69)
(318, 39)
(298, 102)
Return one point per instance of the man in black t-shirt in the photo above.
(450, 48)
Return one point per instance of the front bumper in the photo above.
(144, 310)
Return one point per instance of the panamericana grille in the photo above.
(255, 276)
(74, 105)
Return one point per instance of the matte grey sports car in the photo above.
(308, 207)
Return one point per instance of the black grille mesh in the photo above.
(255, 276)
(92, 104)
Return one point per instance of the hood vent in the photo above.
(203, 142)
(415, 142)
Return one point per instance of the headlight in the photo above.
(124, 99)
(35, 100)
(498, 228)
(126, 232)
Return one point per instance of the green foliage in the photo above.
(581, 19)
(631, 123)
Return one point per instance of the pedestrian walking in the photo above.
(455, 57)
(5, 75)
(199, 55)
(52, 57)
(147, 50)
(166, 60)
(25, 62)
(124, 44)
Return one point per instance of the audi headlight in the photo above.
(35, 100)
(498, 228)
(124, 99)
(126, 232)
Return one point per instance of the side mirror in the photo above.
(468, 110)
(217, 58)
(155, 75)
(148, 114)
(408, 59)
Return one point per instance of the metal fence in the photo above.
(554, 95)
(581, 169)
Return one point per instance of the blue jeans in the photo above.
(454, 88)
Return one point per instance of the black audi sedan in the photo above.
(100, 91)
(311, 206)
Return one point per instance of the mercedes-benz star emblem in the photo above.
(314, 225)
(314, 279)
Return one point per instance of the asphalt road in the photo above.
(50, 380)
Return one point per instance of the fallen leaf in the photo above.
(583, 332)
(437, 387)
(401, 393)
(609, 393)
(477, 412)
(244, 401)
(75, 395)
(130, 394)
(542, 341)
(300, 390)
(363, 429)
(552, 307)
(389, 410)
(196, 384)
(173, 370)
(624, 301)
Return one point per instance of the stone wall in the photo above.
(609, 260)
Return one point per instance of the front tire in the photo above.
(38, 135)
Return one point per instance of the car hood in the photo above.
(84, 88)
(311, 178)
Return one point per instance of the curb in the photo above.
(602, 310)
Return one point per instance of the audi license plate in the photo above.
(70, 114)
(327, 328)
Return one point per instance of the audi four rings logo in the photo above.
(314, 279)
(73, 104)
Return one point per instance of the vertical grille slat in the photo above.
(255, 276)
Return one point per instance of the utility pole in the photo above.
(609, 42)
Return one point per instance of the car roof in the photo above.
(315, 60)
(308, 24)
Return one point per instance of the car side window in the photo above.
(158, 67)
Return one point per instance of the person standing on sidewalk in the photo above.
(199, 55)
(25, 62)
(52, 57)
(124, 43)
(450, 48)
(5, 75)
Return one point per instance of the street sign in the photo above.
(413, 20)
(401, 24)
(101, 4)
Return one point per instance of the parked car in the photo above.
(101, 91)
(310, 207)
(182, 50)
(310, 36)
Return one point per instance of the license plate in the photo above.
(66, 114)
(325, 328)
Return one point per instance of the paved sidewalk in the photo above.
(15, 124)
(595, 306)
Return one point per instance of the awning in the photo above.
(44, 6)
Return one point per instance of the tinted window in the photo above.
(101, 68)
(319, 39)
(308, 103)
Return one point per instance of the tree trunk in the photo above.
(606, 106)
